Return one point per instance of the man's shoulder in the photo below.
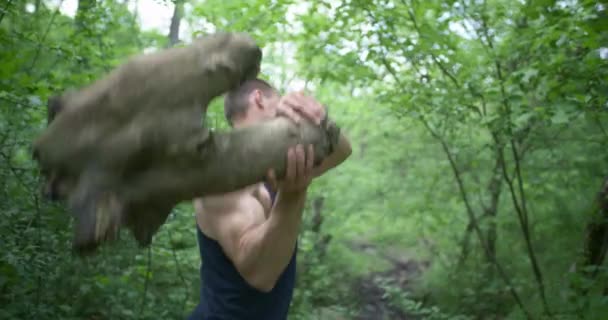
(237, 209)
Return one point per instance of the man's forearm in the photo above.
(265, 250)
(342, 152)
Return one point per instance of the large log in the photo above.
(204, 165)
(128, 148)
(117, 115)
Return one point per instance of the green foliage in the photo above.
(461, 114)
(402, 300)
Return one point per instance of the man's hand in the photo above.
(296, 105)
(299, 171)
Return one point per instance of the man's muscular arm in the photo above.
(340, 154)
(260, 251)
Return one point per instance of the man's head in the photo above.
(253, 101)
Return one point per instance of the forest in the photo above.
(477, 187)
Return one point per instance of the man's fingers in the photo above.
(307, 112)
(304, 105)
(291, 165)
(292, 115)
(300, 163)
(310, 159)
(300, 95)
(286, 109)
(308, 105)
(291, 100)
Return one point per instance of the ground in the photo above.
(402, 272)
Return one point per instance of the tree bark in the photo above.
(596, 241)
(142, 199)
(595, 247)
(176, 20)
(149, 100)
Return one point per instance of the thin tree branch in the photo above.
(46, 32)
(472, 219)
(39, 244)
(469, 209)
(522, 195)
(179, 270)
(382, 36)
(437, 62)
(523, 221)
(178, 12)
(147, 280)
(491, 210)
(521, 210)
(15, 172)
(443, 69)
(464, 243)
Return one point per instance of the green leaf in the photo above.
(560, 117)
(528, 74)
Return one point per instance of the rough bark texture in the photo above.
(128, 148)
(225, 162)
(142, 101)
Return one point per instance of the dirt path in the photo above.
(372, 296)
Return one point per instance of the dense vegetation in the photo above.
(480, 135)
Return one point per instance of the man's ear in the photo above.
(258, 99)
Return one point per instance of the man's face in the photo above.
(272, 102)
(260, 106)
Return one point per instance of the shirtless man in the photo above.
(248, 238)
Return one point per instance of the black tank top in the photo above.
(226, 295)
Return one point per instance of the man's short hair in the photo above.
(236, 102)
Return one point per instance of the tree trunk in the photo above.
(595, 247)
(596, 242)
(148, 101)
(203, 165)
(495, 188)
(321, 240)
(490, 212)
(178, 13)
